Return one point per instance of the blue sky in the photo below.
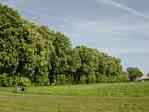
(117, 27)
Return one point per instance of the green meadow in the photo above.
(34, 54)
(116, 97)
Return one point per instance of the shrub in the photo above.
(43, 80)
(6, 81)
(123, 78)
(103, 78)
(83, 79)
(3, 81)
(61, 79)
(92, 78)
(22, 81)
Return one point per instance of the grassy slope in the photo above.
(117, 89)
(119, 97)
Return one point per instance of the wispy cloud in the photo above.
(34, 13)
(106, 26)
(123, 7)
(115, 51)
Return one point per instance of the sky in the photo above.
(117, 27)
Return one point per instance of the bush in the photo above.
(123, 78)
(22, 81)
(103, 78)
(3, 81)
(83, 79)
(92, 78)
(6, 81)
(61, 79)
(87, 79)
(43, 80)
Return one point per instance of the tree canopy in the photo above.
(134, 73)
(46, 57)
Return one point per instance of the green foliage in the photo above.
(22, 81)
(134, 73)
(123, 77)
(43, 80)
(3, 80)
(46, 57)
(6, 81)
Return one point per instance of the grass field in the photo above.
(117, 97)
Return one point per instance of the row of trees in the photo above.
(37, 55)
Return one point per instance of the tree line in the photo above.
(34, 54)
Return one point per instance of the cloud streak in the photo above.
(124, 51)
(123, 7)
(34, 13)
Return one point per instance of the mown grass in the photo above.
(117, 97)
(116, 89)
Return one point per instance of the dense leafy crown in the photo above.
(45, 56)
